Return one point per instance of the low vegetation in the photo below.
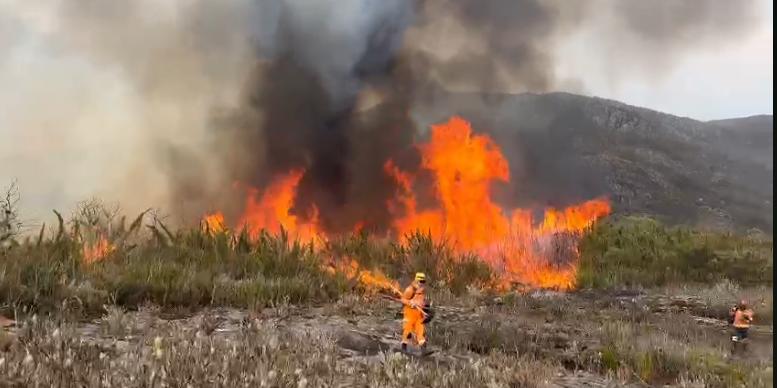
(641, 252)
(167, 356)
(99, 266)
(144, 261)
(55, 270)
(525, 340)
(628, 341)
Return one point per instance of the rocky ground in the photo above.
(539, 339)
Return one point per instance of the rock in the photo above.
(121, 345)
(561, 340)
(547, 294)
(360, 342)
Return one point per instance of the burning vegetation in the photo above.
(214, 223)
(312, 110)
(460, 168)
(293, 125)
(97, 251)
(372, 281)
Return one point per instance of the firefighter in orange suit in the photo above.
(741, 318)
(413, 299)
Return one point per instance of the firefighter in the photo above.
(741, 317)
(413, 300)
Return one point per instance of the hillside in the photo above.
(569, 147)
(749, 138)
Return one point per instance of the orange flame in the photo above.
(272, 211)
(214, 222)
(464, 166)
(430, 222)
(97, 251)
(373, 281)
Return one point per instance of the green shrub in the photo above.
(197, 267)
(609, 358)
(657, 358)
(638, 251)
(187, 268)
(417, 253)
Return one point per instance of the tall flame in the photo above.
(272, 211)
(464, 166)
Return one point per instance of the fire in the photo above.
(373, 281)
(430, 222)
(574, 218)
(97, 251)
(272, 211)
(464, 166)
(214, 222)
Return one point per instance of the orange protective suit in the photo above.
(742, 318)
(413, 317)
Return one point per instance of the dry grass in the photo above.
(524, 340)
(48, 354)
(612, 339)
(655, 355)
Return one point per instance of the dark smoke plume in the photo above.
(245, 90)
(408, 53)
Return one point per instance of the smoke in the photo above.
(171, 103)
(642, 39)
(113, 99)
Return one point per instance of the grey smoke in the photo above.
(242, 90)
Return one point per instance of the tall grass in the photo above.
(653, 356)
(199, 267)
(637, 251)
(417, 253)
(57, 355)
(192, 267)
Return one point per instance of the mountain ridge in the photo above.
(568, 147)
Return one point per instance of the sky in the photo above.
(730, 80)
(733, 80)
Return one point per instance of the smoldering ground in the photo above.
(169, 104)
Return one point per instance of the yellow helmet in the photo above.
(419, 276)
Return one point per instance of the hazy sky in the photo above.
(732, 80)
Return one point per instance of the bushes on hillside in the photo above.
(637, 251)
